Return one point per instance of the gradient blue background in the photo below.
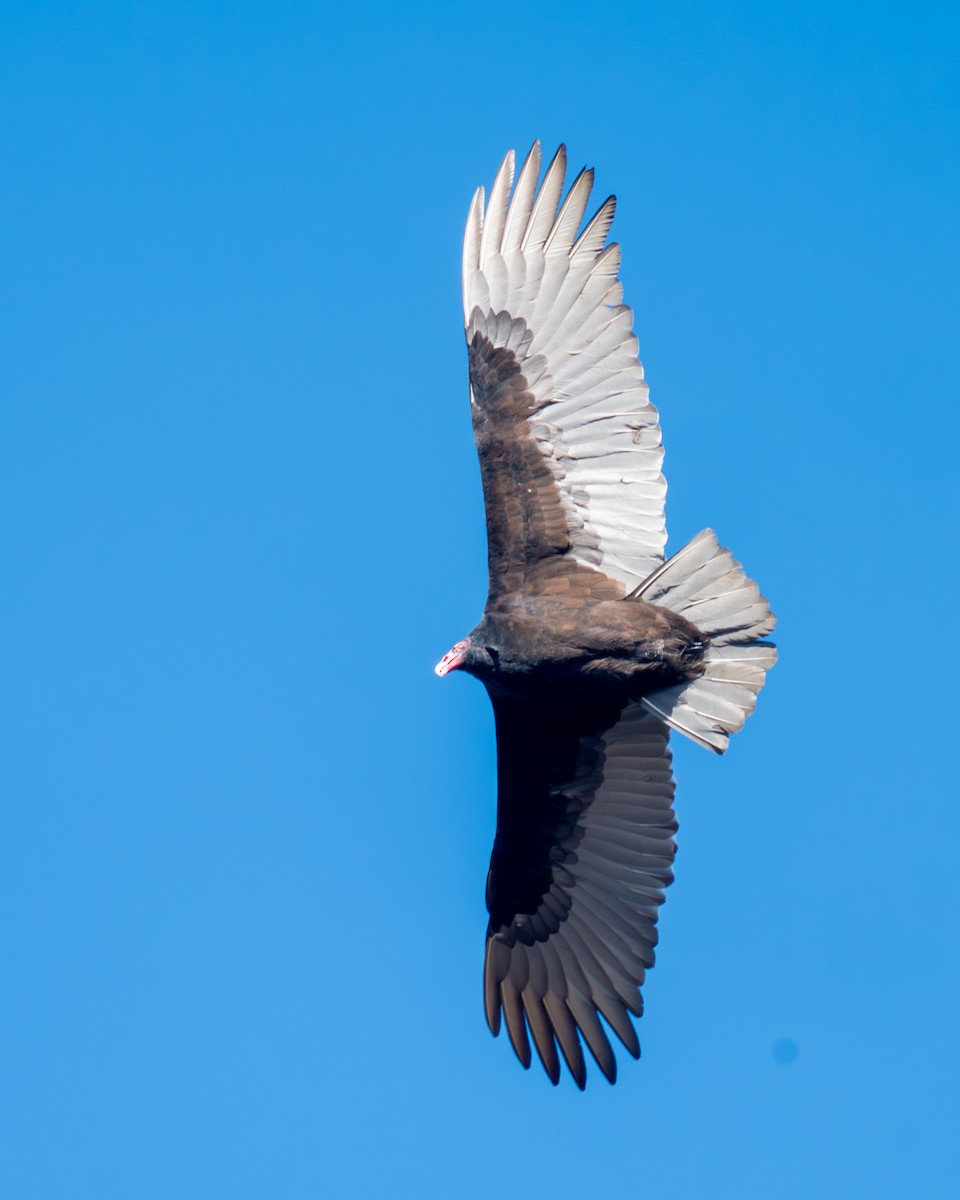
(244, 828)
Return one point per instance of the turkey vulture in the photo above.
(591, 646)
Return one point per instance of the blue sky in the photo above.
(244, 828)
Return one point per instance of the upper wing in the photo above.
(569, 443)
(582, 856)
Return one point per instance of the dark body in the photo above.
(528, 647)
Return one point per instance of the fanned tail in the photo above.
(705, 583)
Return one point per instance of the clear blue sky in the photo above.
(244, 828)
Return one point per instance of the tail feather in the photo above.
(705, 583)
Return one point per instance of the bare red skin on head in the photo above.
(453, 658)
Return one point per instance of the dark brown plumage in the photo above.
(590, 645)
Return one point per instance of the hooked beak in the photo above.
(452, 659)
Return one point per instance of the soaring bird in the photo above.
(591, 646)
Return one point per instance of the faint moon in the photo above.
(785, 1050)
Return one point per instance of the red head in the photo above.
(453, 658)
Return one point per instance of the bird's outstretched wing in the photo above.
(582, 856)
(569, 443)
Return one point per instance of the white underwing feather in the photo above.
(545, 205)
(495, 217)
(521, 204)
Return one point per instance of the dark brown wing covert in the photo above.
(526, 523)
